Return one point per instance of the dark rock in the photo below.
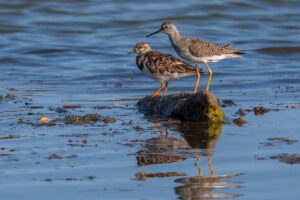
(107, 120)
(60, 110)
(54, 157)
(71, 106)
(226, 103)
(239, 121)
(77, 119)
(260, 110)
(241, 112)
(202, 107)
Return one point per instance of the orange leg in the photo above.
(156, 93)
(197, 81)
(166, 88)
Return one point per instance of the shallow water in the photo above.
(59, 53)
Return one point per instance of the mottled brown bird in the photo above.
(162, 67)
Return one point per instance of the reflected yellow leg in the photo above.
(156, 93)
(166, 88)
(197, 81)
(197, 163)
(209, 78)
(211, 169)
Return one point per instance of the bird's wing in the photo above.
(161, 63)
(202, 48)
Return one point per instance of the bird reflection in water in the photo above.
(172, 147)
(203, 137)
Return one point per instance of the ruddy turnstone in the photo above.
(162, 67)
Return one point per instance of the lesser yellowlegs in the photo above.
(196, 50)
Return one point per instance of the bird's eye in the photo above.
(166, 26)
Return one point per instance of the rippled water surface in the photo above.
(74, 54)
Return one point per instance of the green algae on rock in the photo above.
(202, 107)
(77, 119)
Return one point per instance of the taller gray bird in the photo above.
(196, 50)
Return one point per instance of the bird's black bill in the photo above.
(154, 33)
(131, 52)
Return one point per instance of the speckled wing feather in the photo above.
(201, 48)
(165, 64)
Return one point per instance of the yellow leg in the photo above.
(197, 81)
(211, 169)
(156, 93)
(166, 88)
(209, 78)
(197, 163)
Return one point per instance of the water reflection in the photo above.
(201, 187)
(201, 139)
(201, 136)
(162, 149)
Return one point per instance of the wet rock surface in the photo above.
(239, 121)
(77, 119)
(202, 107)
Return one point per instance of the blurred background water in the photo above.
(75, 52)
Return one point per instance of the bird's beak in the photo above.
(158, 31)
(131, 52)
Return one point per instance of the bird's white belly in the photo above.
(160, 76)
(208, 59)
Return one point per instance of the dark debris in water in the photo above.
(58, 157)
(69, 179)
(107, 120)
(276, 141)
(36, 107)
(54, 157)
(287, 158)
(60, 110)
(102, 107)
(142, 176)
(88, 118)
(77, 143)
(260, 110)
(257, 110)
(8, 137)
(279, 50)
(242, 112)
(239, 121)
(78, 119)
(226, 102)
(6, 151)
(9, 96)
(75, 135)
(71, 106)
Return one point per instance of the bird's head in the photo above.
(166, 27)
(140, 48)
